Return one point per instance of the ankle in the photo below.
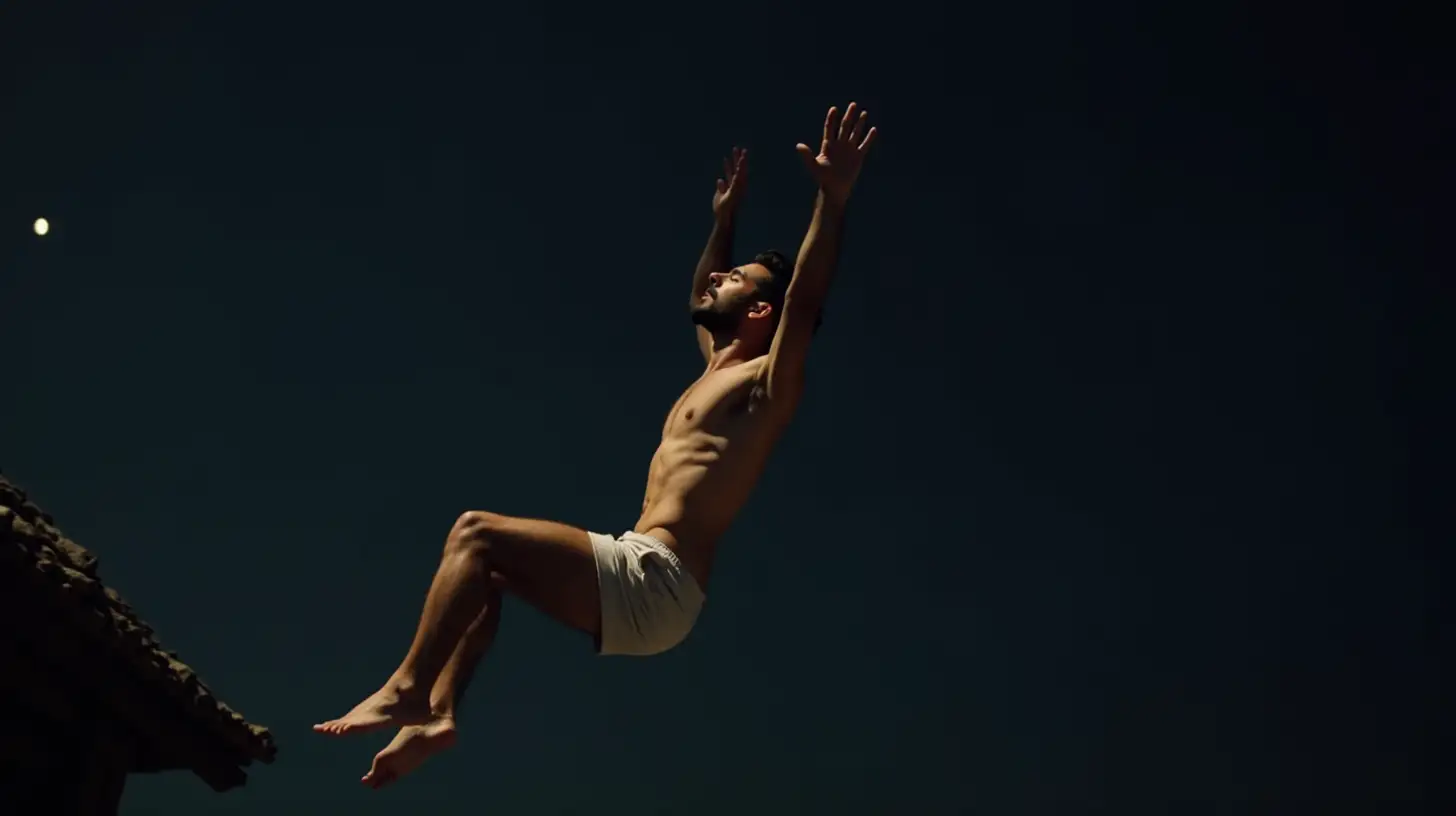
(403, 684)
(443, 724)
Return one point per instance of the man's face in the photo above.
(732, 297)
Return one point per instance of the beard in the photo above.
(714, 317)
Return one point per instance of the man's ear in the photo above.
(761, 310)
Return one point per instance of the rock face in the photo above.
(98, 691)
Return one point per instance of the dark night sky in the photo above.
(1096, 504)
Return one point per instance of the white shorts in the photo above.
(649, 602)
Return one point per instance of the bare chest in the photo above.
(715, 403)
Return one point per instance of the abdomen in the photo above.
(697, 484)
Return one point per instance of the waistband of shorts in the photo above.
(657, 545)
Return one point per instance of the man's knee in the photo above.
(474, 532)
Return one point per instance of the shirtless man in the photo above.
(640, 593)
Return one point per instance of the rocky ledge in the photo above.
(35, 555)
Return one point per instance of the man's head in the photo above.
(745, 302)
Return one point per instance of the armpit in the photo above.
(758, 397)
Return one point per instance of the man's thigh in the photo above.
(547, 564)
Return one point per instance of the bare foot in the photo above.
(384, 708)
(412, 745)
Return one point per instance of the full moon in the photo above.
(42, 226)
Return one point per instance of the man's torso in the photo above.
(715, 444)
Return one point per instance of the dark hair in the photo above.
(782, 270)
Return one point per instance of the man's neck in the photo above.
(728, 350)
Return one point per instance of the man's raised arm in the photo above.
(835, 168)
(717, 255)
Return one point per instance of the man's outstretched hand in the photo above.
(841, 154)
(731, 186)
